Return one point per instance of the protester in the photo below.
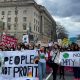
(55, 58)
(18, 47)
(48, 67)
(42, 64)
(76, 70)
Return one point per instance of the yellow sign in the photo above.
(65, 42)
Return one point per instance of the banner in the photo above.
(70, 58)
(19, 65)
(8, 41)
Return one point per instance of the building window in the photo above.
(38, 29)
(9, 12)
(24, 26)
(24, 19)
(38, 22)
(25, 11)
(16, 11)
(3, 13)
(16, 19)
(3, 27)
(9, 26)
(34, 20)
(34, 27)
(9, 20)
(15, 27)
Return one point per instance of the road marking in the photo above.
(49, 76)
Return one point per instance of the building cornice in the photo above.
(16, 3)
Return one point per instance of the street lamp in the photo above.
(16, 20)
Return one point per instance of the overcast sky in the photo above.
(67, 12)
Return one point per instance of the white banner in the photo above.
(70, 58)
(19, 65)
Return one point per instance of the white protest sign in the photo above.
(25, 39)
(70, 58)
(19, 64)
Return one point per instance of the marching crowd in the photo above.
(48, 58)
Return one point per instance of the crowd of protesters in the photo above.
(46, 54)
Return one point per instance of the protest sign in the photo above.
(70, 58)
(25, 39)
(19, 64)
(8, 41)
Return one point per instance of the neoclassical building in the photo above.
(22, 17)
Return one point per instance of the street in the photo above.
(68, 76)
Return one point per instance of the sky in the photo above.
(66, 12)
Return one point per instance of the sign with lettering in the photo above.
(70, 58)
(19, 64)
(8, 41)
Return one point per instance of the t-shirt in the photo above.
(42, 57)
(55, 56)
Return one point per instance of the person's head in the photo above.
(47, 49)
(42, 49)
(19, 47)
(1, 49)
(72, 46)
(39, 46)
(56, 46)
(35, 46)
(31, 47)
(76, 47)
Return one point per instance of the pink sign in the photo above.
(8, 41)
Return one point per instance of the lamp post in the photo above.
(16, 20)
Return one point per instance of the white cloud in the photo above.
(72, 27)
(39, 1)
(69, 9)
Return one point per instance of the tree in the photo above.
(61, 31)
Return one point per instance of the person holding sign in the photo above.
(42, 64)
(76, 70)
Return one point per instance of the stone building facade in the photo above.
(22, 17)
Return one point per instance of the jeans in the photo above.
(41, 70)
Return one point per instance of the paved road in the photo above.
(68, 76)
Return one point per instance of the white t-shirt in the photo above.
(42, 57)
(55, 56)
